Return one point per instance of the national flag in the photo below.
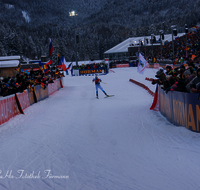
(56, 73)
(45, 67)
(30, 88)
(155, 104)
(70, 66)
(50, 47)
(18, 68)
(49, 62)
(62, 63)
(41, 69)
(175, 61)
(194, 26)
(193, 57)
(42, 85)
(46, 63)
(142, 64)
(57, 57)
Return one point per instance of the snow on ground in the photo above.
(73, 141)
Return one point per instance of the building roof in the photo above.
(134, 41)
(6, 64)
(7, 58)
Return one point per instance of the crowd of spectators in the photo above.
(24, 80)
(183, 50)
(179, 79)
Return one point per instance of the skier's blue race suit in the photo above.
(97, 84)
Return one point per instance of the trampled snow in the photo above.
(73, 141)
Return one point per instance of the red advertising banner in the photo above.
(122, 65)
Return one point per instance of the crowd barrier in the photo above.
(181, 109)
(16, 103)
(52, 87)
(41, 93)
(24, 100)
(143, 86)
(8, 109)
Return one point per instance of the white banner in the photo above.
(142, 64)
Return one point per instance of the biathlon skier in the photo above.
(97, 82)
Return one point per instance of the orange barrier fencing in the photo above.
(24, 99)
(14, 104)
(8, 108)
(52, 87)
(143, 86)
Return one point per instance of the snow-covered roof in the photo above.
(6, 58)
(12, 63)
(86, 62)
(123, 46)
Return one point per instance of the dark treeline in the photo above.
(100, 25)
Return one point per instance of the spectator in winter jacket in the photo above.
(194, 84)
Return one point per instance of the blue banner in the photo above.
(41, 93)
(181, 109)
(93, 71)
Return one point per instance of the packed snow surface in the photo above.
(73, 141)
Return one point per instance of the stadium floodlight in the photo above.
(73, 14)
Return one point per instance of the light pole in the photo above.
(161, 38)
(145, 43)
(186, 32)
(152, 41)
(139, 47)
(174, 33)
(73, 14)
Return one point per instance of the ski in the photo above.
(109, 96)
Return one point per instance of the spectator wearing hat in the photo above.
(193, 84)
(187, 74)
(169, 70)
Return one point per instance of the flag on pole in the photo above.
(142, 65)
(46, 63)
(69, 66)
(62, 63)
(193, 57)
(41, 68)
(57, 57)
(46, 69)
(18, 68)
(175, 61)
(50, 47)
